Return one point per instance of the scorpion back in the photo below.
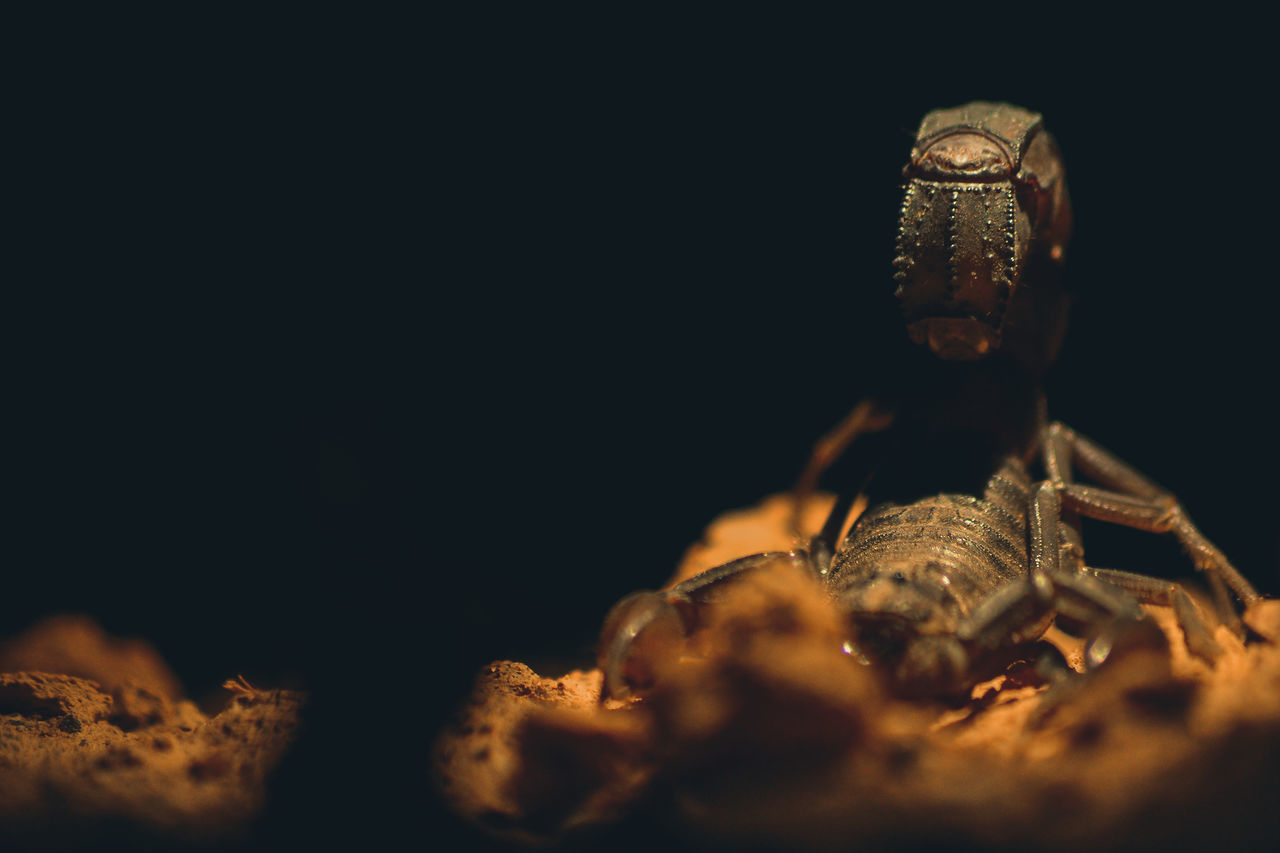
(910, 576)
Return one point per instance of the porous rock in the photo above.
(75, 644)
(76, 758)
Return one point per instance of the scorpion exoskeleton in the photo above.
(944, 592)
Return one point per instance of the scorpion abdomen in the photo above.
(932, 562)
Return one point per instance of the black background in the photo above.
(354, 355)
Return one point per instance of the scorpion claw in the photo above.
(642, 637)
(1123, 637)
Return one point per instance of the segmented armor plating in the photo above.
(931, 563)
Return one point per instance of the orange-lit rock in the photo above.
(76, 645)
(76, 756)
(764, 733)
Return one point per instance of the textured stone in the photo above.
(75, 757)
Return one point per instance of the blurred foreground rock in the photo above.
(125, 759)
(768, 735)
(74, 644)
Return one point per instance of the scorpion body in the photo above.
(914, 580)
(943, 592)
(972, 546)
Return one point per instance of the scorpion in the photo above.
(944, 592)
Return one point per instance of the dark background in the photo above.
(354, 355)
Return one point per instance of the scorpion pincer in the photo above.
(944, 592)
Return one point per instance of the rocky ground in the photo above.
(766, 734)
(97, 743)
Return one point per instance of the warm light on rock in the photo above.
(130, 752)
(767, 732)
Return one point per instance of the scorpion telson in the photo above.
(946, 591)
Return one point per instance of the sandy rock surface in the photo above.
(766, 733)
(78, 757)
(74, 644)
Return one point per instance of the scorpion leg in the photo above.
(865, 417)
(1151, 590)
(1129, 498)
(867, 457)
(645, 632)
(1020, 612)
(1079, 593)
